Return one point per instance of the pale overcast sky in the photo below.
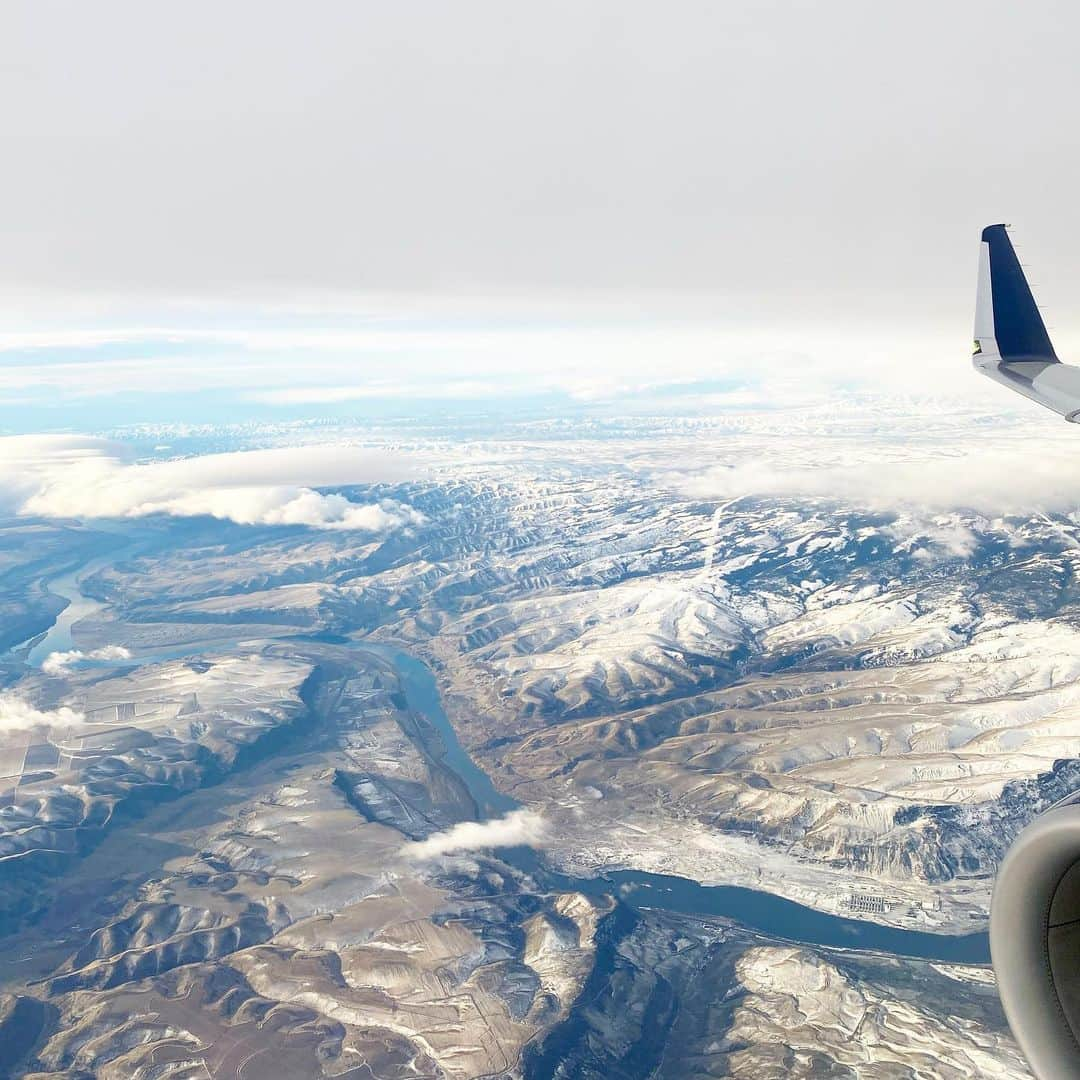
(754, 163)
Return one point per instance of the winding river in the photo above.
(79, 606)
(761, 911)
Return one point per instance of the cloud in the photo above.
(591, 355)
(517, 827)
(17, 714)
(927, 538)
(58, 663)
(644, 210)
(468, 389)
(1020, 479)
(82, 477)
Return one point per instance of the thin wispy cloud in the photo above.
(470, 389)
(291, 367)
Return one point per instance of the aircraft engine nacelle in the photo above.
(1035, 940)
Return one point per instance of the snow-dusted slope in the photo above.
(852, 705)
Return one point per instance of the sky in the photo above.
(273, 209)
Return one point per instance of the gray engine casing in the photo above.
(1035, 940)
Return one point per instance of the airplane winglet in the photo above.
(1007, 321)
(1012, 346)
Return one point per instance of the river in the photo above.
(761, 911)
(79, 606)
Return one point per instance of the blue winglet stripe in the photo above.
(1018, 326)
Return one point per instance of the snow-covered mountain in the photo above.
(844, 700)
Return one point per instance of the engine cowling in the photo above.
(1035, 940)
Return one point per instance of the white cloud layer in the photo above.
(17, 714)
(570, 355)
(83, 477)
(1020, 479)
(517, 827)
(58, 663)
